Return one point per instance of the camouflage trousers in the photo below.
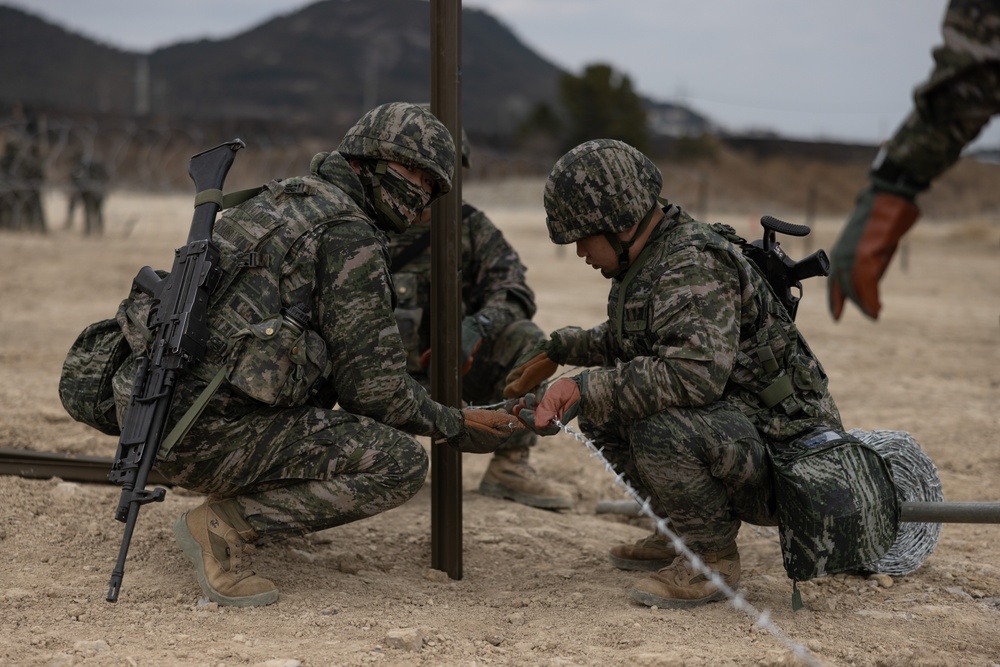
(484, 383)
(705, 468)
(299, 470)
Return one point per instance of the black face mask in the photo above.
(397, 201)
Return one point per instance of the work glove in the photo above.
(472, 340)
(561, 401)
(533, 368)
(484, 430)
(862, 253)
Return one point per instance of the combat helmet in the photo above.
(404, 133)
(601, 187)
(466, 147)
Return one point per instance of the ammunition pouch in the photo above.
(277, 363)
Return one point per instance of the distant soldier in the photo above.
(950, 108)
(21, 178)
(496, 331)
(89, 184)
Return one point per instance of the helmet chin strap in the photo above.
(622, 248)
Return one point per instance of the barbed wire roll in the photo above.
(916, 479)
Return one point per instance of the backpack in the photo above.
(836, 504)
(85, 383)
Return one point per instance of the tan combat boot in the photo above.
(651, 553)
(679, 586)
(510, 476)
(215, 537)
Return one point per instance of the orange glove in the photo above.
(528, 375)
(561, 401)
(865, 247)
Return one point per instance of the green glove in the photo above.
(484, 430)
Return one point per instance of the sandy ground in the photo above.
(537, 588)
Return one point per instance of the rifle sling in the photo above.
(185, 423)
(411, 252)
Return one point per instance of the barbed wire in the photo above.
(737, 601)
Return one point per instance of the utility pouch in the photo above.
(277, 362)
(85, 382)
(836, 504)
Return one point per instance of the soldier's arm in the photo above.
(494, 280)
(356, 320)
(960, 97)
(695, 325)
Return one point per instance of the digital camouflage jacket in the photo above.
(493, 281)
(960, 97)
(306, 244)
(690, 323)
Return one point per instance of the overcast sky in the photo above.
(838, 69)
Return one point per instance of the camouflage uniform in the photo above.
(311, 466)
(675, 399)
(497, 309)
(494, 295)
(950, 109)
(959, 98)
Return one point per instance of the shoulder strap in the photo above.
(411, 252)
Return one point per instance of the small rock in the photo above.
(436, 575)
(304, 556)
(883, 580)
(89, 648)
(515, 619)
(407, 639)
(350, 564)
(65, 489)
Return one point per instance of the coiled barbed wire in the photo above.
(916, 479)
(762, 619)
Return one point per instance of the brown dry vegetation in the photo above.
(537, 588)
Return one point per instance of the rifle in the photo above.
(178, 323)
(781, 271)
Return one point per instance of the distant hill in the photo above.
(323, 65)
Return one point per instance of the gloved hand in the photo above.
(472, 340)
(533, 368)
(484, 430)
(862, 253)
(561, 401)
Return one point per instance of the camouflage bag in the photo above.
(85, 383)
(836, 504)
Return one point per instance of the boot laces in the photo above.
(242, 559)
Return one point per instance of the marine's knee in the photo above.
(412, 464)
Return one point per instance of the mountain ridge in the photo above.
(324, 64)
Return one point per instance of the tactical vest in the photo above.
(776, 376)
(260, 346)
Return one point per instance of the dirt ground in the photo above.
(537, 588)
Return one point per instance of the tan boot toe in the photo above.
(509, 476)
(651, 553)
(215, 538)
(679, 586)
